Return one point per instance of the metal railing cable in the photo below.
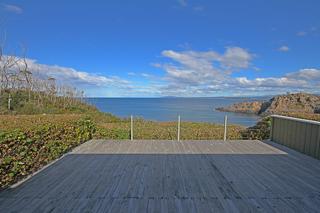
(186, 130)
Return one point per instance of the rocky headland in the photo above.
(282, 104)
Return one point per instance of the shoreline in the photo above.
(190, 109)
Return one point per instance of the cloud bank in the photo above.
(208, 73)
(73, 76)
(188, 73)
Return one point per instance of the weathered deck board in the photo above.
(167, 176)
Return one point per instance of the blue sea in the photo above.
(168, 109)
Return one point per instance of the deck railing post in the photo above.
(271, 128)
(131, 132)
(225, 128)
(178, 128)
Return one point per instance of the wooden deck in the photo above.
(166, 176)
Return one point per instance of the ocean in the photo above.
(168, 109)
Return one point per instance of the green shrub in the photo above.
(22, 152)
(261, 131)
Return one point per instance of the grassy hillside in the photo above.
(308, 116)
(23, 102)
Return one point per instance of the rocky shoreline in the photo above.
(289, 103)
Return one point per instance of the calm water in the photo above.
(167, 109)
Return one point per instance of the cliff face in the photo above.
(299, 102)
(244, 107)
(291, 103)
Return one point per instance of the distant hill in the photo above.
(281, 104)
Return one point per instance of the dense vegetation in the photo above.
(29, 142)
(260, 131)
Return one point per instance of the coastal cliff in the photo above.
(290, 103)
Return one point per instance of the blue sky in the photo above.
(170, 48)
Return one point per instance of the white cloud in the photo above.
(196, 68)
(183, 3)
(310, 31)
(270, 82)
(192, 7)
(306, 74)
(146, 75)
(198, 8)
(236, 57)
(131, 73)
(74, 77)
(209, 73)
(302, 80)
(13, 8)
(302, 33)
(284, 48)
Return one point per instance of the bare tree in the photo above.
(8, 76)
(26, 74)
(16, 77)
